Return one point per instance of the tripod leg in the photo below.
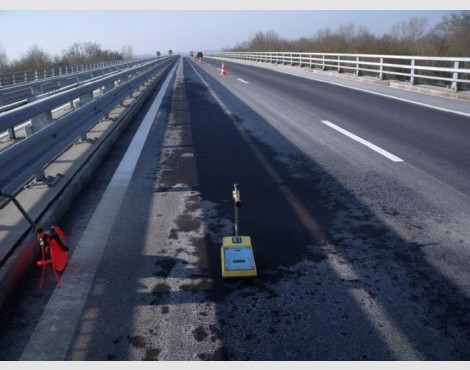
(56, 275)
(41, 283)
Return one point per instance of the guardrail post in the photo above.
(338, 68)
(358, 63)
(40, 121)
(323, 67)
(40, 175)
(107, 87)
(81, 101)
(412, 72)
(11, 133)
(455, 76)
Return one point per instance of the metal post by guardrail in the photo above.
(455, 76)
(412, 72)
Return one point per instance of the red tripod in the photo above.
(52, 242)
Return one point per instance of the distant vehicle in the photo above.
(158, 54)
(199, 54)
(191, 54)
(170, 52)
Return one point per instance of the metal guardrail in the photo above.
(27, 158)
(35, 83)
(13, 78)
(449, 72)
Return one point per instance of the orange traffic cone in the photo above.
(222, 70)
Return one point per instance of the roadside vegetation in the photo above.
(79, 53)
(450, 37)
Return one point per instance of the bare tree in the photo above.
(92, 52)
(73, 55)
(35, 58)
(411, 30)
(452, 36)
(3, 60)
(88, 52)
(127, 52)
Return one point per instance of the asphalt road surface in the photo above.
(358, 208)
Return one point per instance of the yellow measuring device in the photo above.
(236, 251)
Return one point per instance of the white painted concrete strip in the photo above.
(364, 142)
(54, 332)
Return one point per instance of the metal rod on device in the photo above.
(238, 204)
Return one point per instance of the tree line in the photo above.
(79, 53)
(450, 37)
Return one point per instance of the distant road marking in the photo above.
(245, 82)
(363, 142)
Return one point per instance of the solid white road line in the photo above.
(54, 332)
(364, 142)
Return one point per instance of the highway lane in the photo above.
(435, 142)
(359, 257)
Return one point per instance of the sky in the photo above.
(184, 27)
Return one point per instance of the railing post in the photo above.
(323, 67)
(412, 72)
(11, 133)
(40, 121)
(107, 87)
(455, 76)
(381, 69)
(358, 63)
(338, 68)
(81, 101)
(40, 175)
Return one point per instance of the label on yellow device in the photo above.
(237, 258)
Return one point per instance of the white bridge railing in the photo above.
(449, 72)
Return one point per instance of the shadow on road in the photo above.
(334, 281)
